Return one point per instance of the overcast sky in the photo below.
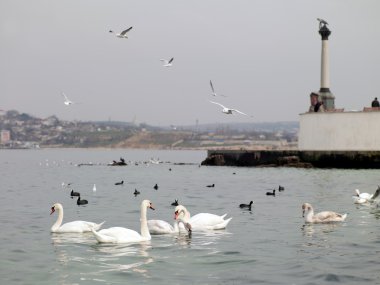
(263, 54)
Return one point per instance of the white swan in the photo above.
(361, 198)
(201, 221)
(71, 227)
(124, 235)
(322, 217)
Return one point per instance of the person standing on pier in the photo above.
(375, 103)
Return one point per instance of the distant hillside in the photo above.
(244, 127)
(26, 130)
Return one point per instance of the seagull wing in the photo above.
(218, 104)
(212, 87)
(240, 112)
(64, 96)
(125, 31)
(170, 61)
(376, 194)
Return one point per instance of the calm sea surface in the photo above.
(268, 245)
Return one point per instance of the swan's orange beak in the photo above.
(52, 210)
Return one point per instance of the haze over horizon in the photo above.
(263, 55)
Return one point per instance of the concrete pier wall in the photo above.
(340, 131)
(305, 159)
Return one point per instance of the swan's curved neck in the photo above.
(309, 216)
(144, 223)
(59, 220)
(184, 217)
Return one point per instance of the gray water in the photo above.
(268, 245)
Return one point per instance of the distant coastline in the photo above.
(23, 131)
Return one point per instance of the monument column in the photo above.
(324, 92)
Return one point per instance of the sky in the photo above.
(263, 55)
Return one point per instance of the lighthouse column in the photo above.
(325, 74)
(324, 92)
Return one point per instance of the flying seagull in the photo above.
(228, 111)
(167, 63)
(67, 101)
(321, 22)
(213, 93)
(123, 34)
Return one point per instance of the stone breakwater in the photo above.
(294, 158)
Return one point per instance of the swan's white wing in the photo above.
(117, 235)
(329, 216)
(125, 31)
(240, 112)
(205, 220)
(366, 196)
(159, 227)
(218, 104)
(77, 227)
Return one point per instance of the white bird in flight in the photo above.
(228, 111)
(67, 101)
(167, 63)
(213, 91)
(123, 34)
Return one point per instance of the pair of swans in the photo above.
(362, 198)
(71, 227)
(183, 221)
(322, 217)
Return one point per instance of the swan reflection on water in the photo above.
(137, 253)
(200, 238)
(316, 235)
(309, 230)
(118, 250)
(70, 238)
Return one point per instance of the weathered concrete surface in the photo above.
(294, 158)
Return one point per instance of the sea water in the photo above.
(269, 244)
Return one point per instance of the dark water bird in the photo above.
(246, 205)
(321, 22)
(281, 188)
(155, 186)
(175, 203)
(120, 183)
(272, 193)
(136, 192)
(81, 202)
(72, 194)
(212, 185)
(170, 169)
